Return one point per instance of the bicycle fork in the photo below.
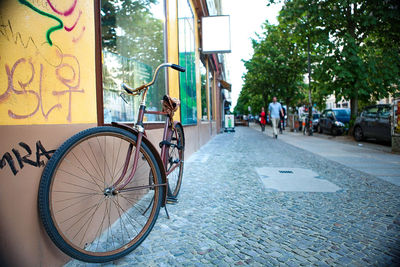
(120, 184)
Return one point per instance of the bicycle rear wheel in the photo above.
(81, 211)
(175, 161)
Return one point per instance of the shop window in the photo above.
(132, 47)
(204, 107)
(187, 59)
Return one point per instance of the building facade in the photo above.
(61, 67)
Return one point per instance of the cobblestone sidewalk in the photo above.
(225, 216)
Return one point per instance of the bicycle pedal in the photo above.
(172, 201)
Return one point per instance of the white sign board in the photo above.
(216, 34)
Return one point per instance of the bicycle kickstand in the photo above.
(170, 201)
(166, 211)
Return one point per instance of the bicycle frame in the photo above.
(120, 184)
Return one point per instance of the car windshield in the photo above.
(342, 112)
(315, 116)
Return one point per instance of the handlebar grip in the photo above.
(177, 67)
(125, 87)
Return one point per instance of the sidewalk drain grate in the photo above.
(285, 171)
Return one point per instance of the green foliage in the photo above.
(354, 46)
(276, 69)
(130, 30)
(132, 33)
(354, 53)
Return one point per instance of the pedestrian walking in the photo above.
(275, 110)
(263, 119)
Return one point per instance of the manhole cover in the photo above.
(294, 180)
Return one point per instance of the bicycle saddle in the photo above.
(170, 105)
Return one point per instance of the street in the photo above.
(248, 199)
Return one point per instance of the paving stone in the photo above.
(226, 217)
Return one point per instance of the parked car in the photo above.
(334, 121)
(373, 122)
(315, 121)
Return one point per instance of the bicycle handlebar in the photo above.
(177, 67)
(135, 91)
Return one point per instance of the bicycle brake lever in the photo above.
(126, 88)
(122, 95)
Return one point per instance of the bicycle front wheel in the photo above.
(82, 212)
(175, 161)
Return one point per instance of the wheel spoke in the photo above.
(89, 216)
(104, 157)
(175, 161)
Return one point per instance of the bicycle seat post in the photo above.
(142, 108)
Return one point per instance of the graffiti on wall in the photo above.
(44, 45)
(22, 155)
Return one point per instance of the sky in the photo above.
(247, 18)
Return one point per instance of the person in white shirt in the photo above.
(274, 109)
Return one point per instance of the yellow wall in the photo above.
(47, 64)
(173, 51)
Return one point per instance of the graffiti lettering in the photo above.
(50, 30)
(41, 4)
(45, 115)
(76, 39)
(8, 159)
(72, 83)
(5, 28)
(38, 162)
(39, 81)
(66, 12)
(7, 32)
(68, 29)
(23, 85)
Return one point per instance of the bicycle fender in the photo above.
(153, 150)
(183, 132)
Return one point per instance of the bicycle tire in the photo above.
(174, 153)
(77, 225)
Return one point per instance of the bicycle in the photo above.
(101, 192)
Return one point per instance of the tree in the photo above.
(355, 45)
(130, 30)
(275, 69)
